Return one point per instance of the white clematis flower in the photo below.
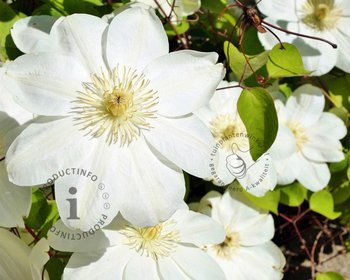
(169, 250)
(15, 202)
(327, 19)
(307, 139)
(18, 261)
(175, 9)
(117, 104)
(247, 244)
(232, 145)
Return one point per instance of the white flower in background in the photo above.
(18, 261)
(169, 250)
(175, 9)
(327, 19)
(307, 139)
(247, 252)
(15, 202)
(117, 104)
(232, 145)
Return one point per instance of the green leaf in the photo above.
(342, 113)
(95, 2)
(335, 167)
(329, 276)
(341, 193)
(322, 202)
(285, 62)
(268, 202)
(181, 28)
(293, 195)
(52, 217)
(258, 113)
(339, 90)
(8, 17)
(55, 268)
(237, 61)
(39, 210)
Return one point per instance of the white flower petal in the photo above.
(135, 38)
(343, 40)
(186, 142)
(267, 260)
(140, 266)
(157, 187)
(38, 258)
(45, 84)
(318, 56)
(64, 239)
(314, 176)
(169, 270)
(197, 264)
(323, 139)
(14, 257)
(282, 9)
(323, 149)
(284, 145)
(197, 228)
(80, 36)
(255, 231)
(45, 148)
(31, 34)
(287, 169)
(306, 105)
(107, 265)
(185, 80)
(15, 202)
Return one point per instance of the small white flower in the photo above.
(18, 261)
(327, 19)
(118, 104)
(232, 145)
(176, 9)
(15, 201)
(307, 139)
(169, 250)
(247, 252)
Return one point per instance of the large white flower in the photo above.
(117, 104)
(232, 145)
(15, 201)
(169, 250)
(175, 9)
(327, 19)
(307, 139)
(18, 261)
(247, 252)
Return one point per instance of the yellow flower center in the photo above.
(299, 133)
(118, 105)
(321, 14)
(155, 242)
(228, 248)
(229, 130)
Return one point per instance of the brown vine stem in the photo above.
(294, 221)
(183, 40)
(32, 233)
